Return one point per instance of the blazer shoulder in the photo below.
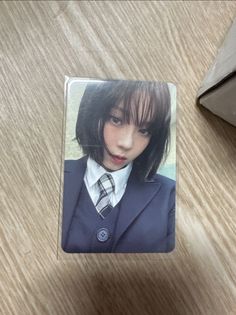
(166, 181)
(70, 165)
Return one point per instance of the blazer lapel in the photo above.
(73, 180)
(137, 196)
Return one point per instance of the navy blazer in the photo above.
(148, 223)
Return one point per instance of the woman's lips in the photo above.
(117, 159)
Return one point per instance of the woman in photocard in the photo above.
(114, 200)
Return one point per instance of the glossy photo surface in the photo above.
(119, 167)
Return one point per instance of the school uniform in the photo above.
(141, 221)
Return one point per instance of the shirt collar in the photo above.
(94, 171)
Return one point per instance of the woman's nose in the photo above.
(126, 137)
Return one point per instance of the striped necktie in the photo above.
(106, 186)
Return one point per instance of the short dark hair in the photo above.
(95, 107)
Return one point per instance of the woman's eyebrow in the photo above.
(145, 124)
(118, 109)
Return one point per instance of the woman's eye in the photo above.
(115, 120)
(144, 132)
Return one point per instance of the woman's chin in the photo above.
(111, 167)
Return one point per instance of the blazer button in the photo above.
(102, 235)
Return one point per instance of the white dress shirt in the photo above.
(94, 171)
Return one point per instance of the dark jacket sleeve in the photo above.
(171, 222)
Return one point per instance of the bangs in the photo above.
(139, 107)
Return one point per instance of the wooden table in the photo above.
(175, 41)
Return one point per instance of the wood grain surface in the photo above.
(175, 41)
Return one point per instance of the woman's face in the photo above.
(124, 142)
